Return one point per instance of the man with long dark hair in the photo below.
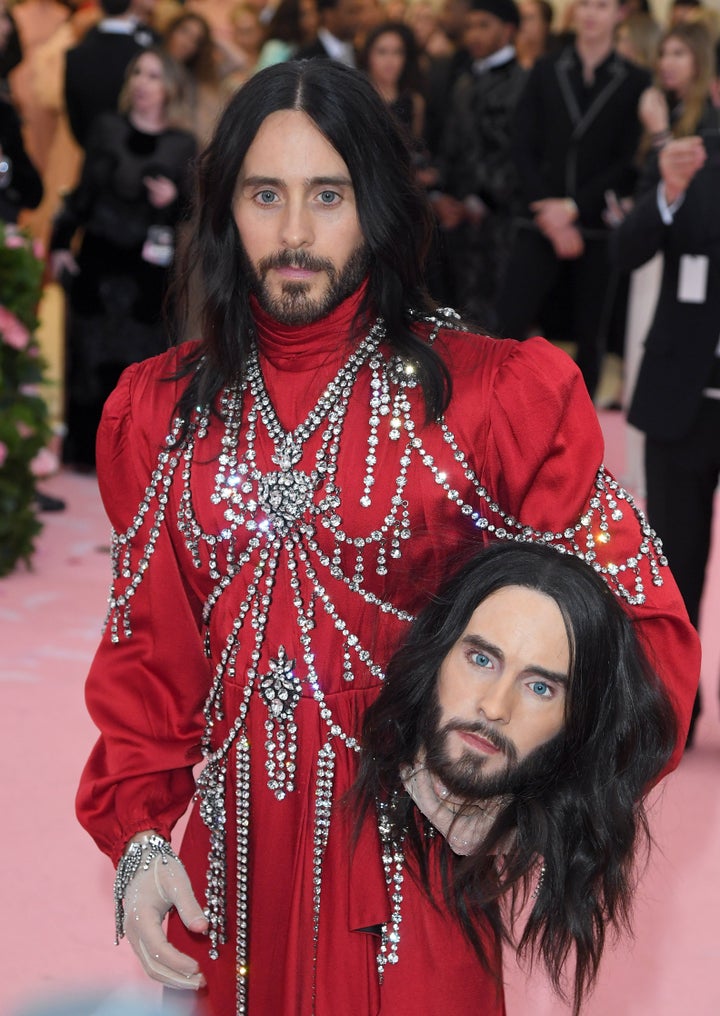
(522, 718)
(286, 493)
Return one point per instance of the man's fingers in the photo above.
(174, 887)
(683, 153)
(164, 963)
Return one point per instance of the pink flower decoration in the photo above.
(38, 249)
(13, 241)
(3, 453)
(24, 429)
(13, 331)
(44, 463)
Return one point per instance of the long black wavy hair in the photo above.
(394, 218)
(581, 811)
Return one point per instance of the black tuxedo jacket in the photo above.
(475, 155)
(565, 146)
(680, 347)
(442, 76)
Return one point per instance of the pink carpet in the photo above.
(55, 887)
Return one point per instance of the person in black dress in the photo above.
(128, 202)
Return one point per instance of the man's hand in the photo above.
(161, 191)
(568, 243)
(554, 214)
(62, 262)
(427, 176)
(449, 211)
(149, 897)
(679, 162)
(653, 111)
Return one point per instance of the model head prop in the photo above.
(522, 720)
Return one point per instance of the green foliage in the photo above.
(24, 424)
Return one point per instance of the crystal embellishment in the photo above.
(280, 690)
(285, 497)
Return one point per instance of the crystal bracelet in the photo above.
(139, 854)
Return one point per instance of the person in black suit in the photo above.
(477, 194)
(339, 24)
(95, 69)
(443, 73)
(676, 402)
(576, 133)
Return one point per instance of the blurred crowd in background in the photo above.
(561, 147)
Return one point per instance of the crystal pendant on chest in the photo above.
(286, 495)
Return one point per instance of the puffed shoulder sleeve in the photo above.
(149, 677)
(544, 458)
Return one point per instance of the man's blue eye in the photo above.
(328, 197)
(267, 197)
(540, 688)
(481, 660)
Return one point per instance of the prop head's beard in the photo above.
(465, 777)
(294, 306)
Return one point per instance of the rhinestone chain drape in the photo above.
(269, 516)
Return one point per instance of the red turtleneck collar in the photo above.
(307, 347)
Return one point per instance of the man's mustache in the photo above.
(481, 729)
(295, 259)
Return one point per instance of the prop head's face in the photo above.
(500, 693)
(297, 217)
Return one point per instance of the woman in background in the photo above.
(390, 60)
(188, 40)
(638, 39)
(294, 24)
(130, 198)
(534, 34)
(433, 42)
(242, 53)
(679, 103)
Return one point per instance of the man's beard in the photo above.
(465, 777)
(294, 306)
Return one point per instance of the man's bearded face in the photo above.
(297, 218)
(466, 779)
(499, 696)
(294, 302)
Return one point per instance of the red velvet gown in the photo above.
(331, 591)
